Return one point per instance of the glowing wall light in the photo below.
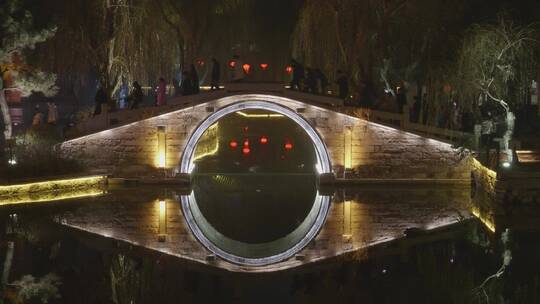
(162, 220)
(488, 223)
(211, 147)
(161, 148)
(348, 148)
(347, 229)
(259, 115)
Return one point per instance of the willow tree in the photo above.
(497, 64)
(18, 35)
(189, 20)
(101, 30)
(355, 36)
(109, 40)
(326, 35)
(495, 68)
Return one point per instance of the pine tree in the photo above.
(19, 35)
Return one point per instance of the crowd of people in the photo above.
(38, 118)
(189, 85)
(306, 79)
(313, 80)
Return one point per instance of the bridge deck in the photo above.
(108, 120)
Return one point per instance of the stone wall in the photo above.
(374, 150)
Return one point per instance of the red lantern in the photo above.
(447, 88)
(200, 62)
(246, 68)
(246, 150)
(289, 69)
(246, 129)
(246, 142)
(233, 144)
(288, 146)
(264, 66)
(232, 64)
(264, 140)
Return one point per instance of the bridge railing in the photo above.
(402, 121)
(108, 119)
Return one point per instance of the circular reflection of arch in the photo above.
(323, 160)
(262, 254)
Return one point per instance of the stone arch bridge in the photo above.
(155, 140)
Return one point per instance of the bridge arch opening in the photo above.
(225, 207)
(323, 164)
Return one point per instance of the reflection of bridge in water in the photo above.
(369, 217)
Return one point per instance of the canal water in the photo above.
(255, 226)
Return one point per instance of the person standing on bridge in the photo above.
(311, 84)
(297, 74)
(187, 86)
(136, 95)
(343, 84)
(123, 94)
(194, 79)
(323, 80)
(176, 87)
(401, 98)
(216, 74)
(100, 99)
(161, 92)
(237, 72)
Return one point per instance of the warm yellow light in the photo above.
(55, 190)
(348, 148)
(212, 132)
(162, 219)
(258, 115)
(488, 171)
(208, 153)
(347, 228)
(486, 221)
(161, 149)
